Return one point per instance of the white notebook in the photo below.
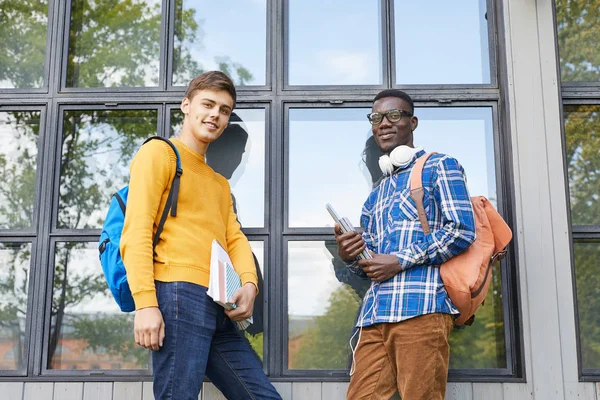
(224, 281)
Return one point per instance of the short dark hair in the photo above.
(213, 80)
(396, 93)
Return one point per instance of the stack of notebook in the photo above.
(224, 281)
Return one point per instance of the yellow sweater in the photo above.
(204, 212)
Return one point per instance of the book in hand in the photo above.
(346, 226)
(224, 281)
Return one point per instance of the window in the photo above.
(114, 44)
(200, 44)
(78, 108)
(23, 34)
(580, 71)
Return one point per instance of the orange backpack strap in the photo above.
(417, 192)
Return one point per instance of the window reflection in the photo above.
(23, 30)
(482, 345)
(333, 158)
(451, 46)
(320, 320)
(326, 148)
(254, 333)
(15, 259)
(19, 133)
(578, 38)
(467, 134)
(114, 43)
(332, 43)
(587, 273)
(200, 44)
(239, 155)
(582, 128)
(88, 331)
(97, 148)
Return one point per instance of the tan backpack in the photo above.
(467, 276)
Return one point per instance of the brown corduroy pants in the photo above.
(409, 356)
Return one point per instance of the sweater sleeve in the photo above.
(151, 171)
(238, 246)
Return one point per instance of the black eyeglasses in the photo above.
(393, 115)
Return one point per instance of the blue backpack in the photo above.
(110, 255)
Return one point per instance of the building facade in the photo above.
(510, 88)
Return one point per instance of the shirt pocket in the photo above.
(404, 208)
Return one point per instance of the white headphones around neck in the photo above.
(401, 156)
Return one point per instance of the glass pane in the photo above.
(23, 27)
(482, 344)
(587, 273)
(326, 148)
(451, 46)
(467, 134)
(19, 133)
(209, 36)
(15, 259)
(578, 38)
(334, 43)
(114, 43)
(323, 143)
(239, 155)
(320, 320)
(582, 130)
(88, 331)
(254, 333)
(97, 147)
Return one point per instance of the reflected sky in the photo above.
(325, 157)
(309, 266)
(441, 42)
(334, 43)
(84, 264)
(98, 161)
(248, 179)
(236, 33)
(18, 167)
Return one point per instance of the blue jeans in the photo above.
(201, 340)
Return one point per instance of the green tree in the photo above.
(578, 37)
(325, 346)
(582, 129)
(23, 26)
(482, 345)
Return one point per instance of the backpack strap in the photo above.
(417, 192)
(171, 204)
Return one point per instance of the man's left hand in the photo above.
(381, 267)
(244, 300)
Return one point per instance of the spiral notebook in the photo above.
(224, 281)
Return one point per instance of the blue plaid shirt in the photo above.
(391, 226)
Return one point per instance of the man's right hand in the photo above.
(149, 328)
(350, 244)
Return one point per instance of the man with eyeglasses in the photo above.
(406, 315)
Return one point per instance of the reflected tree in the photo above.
(23, 26)
(578, 36)
(188, 34)
(115, 43)
(14, 282)
(582, 128)
(482, 345)
(325, 346)
(85, 190)
(17, 194)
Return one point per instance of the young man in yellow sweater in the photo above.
(190, 334)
